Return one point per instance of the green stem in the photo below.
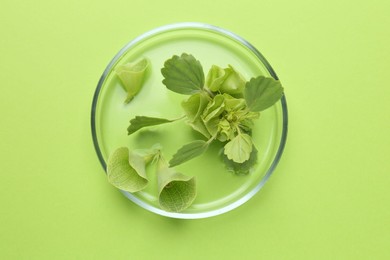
(238, 129)
(179, 118)
(212, 138)
(208, 91)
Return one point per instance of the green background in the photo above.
(328, 199)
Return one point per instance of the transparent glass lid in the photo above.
(218, 189)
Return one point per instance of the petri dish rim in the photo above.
(232, 36)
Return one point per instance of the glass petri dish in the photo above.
(218, 189)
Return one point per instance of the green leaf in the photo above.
(188, 152)
(183, 74)
(215, 78)
(262, 92)
(242, 168)
(226, 132)
(227, 80)
(214, 108)
(176, 191)
(194, 105)
(239, 148)
(234, 82)
(246, 125)
(212, 126)
(193, 108)
(132, 75)
(126, 171)
(143, 121)
(233, 104)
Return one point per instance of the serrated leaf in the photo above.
(183, 74)
(143, 121)
(188, 152)
(126, 170)
(239, 148)
(262, 92)
(241, 168)
(176, 191)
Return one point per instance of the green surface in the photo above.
(328, 199)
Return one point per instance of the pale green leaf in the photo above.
(214, 108)
(212, 125)
(126, 171)
(132, 75)
(226, 131)
(242, 168)
(176, 191)
(234, 82)
(199, 126)
(183, 74)
(239, 148)
(188, 152)
(215, 78)
(143, 121)
(193, 108)
(194, 105)
(227, 80)
(262, 92)
(233, 104)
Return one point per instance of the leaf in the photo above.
(226, 132)
(183, 74)
(239, 148)
(143, 121)
(214, 78)
(126, 171)
(214, 108)
(234, 82)
(212, 126)
(241, 168)
(262, 92)
(176, 191)
(132, 75)
(193, 108)
(227, 80)
(188, 152)
(233, 104)
(194, 105)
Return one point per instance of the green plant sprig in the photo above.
(220, 106)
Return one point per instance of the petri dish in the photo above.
(218, 189)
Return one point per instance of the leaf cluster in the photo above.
(221, 106)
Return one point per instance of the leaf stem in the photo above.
(238, 130)
(208, 91)
(179, 118)
(212, 138)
